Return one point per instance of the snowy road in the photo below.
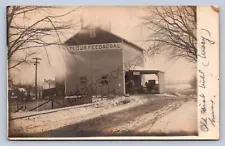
(141, 116)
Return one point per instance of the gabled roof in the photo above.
(102, 36)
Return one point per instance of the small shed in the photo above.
(136, 75)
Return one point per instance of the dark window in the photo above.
(105, 80)
(83, 80)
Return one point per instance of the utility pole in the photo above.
(36, 64)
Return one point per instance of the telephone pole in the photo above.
(36, 64)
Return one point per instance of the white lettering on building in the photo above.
(94, 47)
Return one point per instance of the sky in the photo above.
(125, 22)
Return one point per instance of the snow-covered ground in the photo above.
(140, 114)
(67, 116)
(183, 119)
(176, 118)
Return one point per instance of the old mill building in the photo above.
(103, 63)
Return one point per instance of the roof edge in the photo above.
(123, 40)
(132, 44)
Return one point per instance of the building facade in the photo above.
(100, 62)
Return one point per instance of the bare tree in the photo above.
(173, 31)
(26, 31)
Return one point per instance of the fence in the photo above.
(50, 100)
(46, 104)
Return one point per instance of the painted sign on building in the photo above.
(136, 73)
(94, 47)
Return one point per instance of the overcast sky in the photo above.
(125, 22)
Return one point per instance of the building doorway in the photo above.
(144, 81)
(133, 82)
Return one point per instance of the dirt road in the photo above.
(132, 118)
